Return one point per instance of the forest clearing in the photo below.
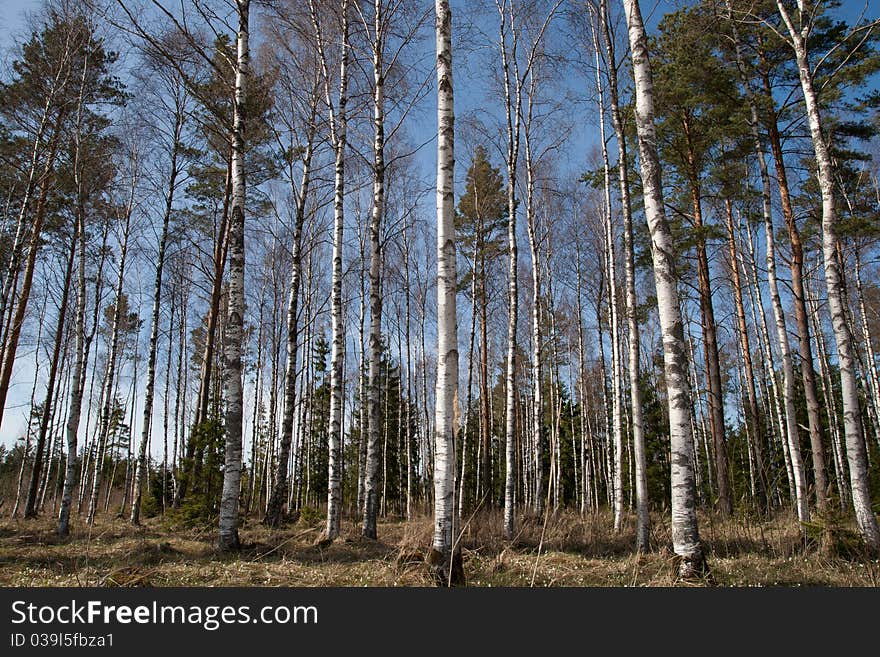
(574, 551)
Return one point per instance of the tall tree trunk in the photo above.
(800, 310)
(830, 399)
(229, 511)
(791, 442)
(467, 411)
(30, 508)
(188, 468)
(610, 264)
(154, 328)
(685, 534)
(586, 492)
(513, 106)
(278, 496)
(371, 502)
(643, 528)
(13, 334)
(409, 375)
(442, 559)
(26, 447)
(710, 335)
(338, 137)
(537, 336)
(362, 379)
(834, 283)
(752, 414)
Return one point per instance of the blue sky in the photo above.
(12, 14)
(470, 94)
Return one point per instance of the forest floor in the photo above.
(566, 551)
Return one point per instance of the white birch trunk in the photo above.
(685, 534)
(447, 328)
(338, 139)
(371, 483)
(643, 518)
(852, 420)
(537, 337)
(512, 112)
(234, 334)
(791, 436)
(610, 262)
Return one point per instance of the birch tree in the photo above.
(798, 28)
(178, 108)
(685, 534)
(643, 518)
(442, 554)
(338, 139)
(229, 501)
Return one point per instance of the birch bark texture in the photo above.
(371, 481)
(234, 333)
(512, 111)
(834, 283)
(442, 555)
(685, 535)
(338, 139)
(643, 526)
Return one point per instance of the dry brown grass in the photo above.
(566, 551)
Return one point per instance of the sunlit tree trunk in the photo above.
(338, 138)
(154, 327)
(234, 334)
(643, 529)
(685, 535)
(852, 420)
(610, 264)
(445, 429)
(512, 113)
(281, 484)
(371, 488)
(799, 305)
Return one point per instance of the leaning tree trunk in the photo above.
(186, 471)
(685, 534)
(852, 420)
(30, 507)
(643, 527)
(805, 351)
(228, 521)
(35, 243)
